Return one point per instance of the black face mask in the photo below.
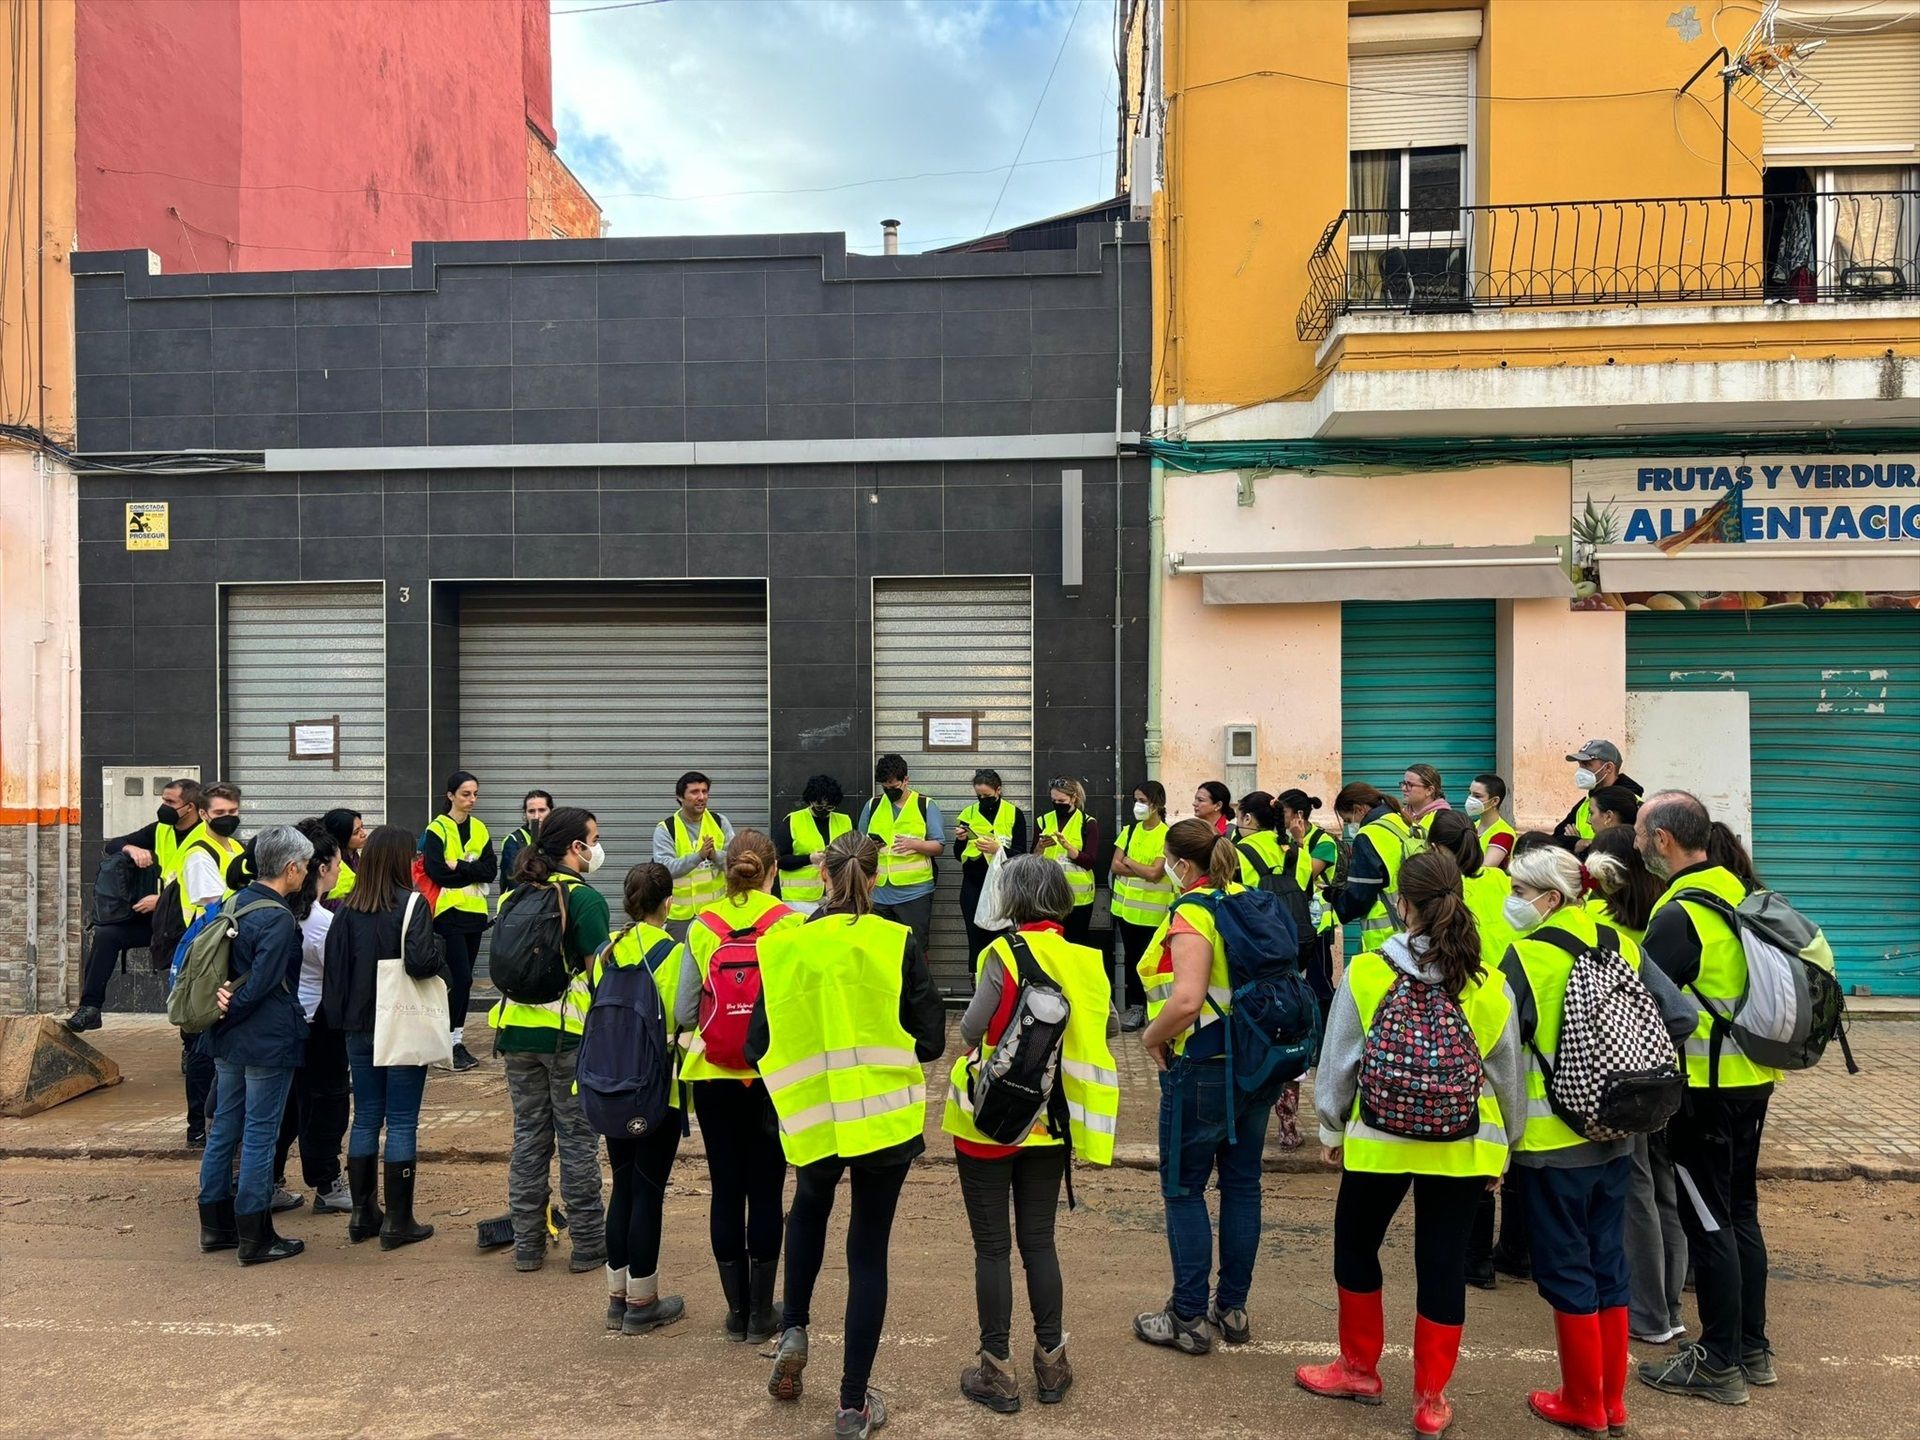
(821, 812)
(894, 792)
(167, 815)
(1061, 812)
(225, 826)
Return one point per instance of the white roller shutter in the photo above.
(606, 696)
(305, 653)
(1869, 86)
(955, 645)
(1395, 102)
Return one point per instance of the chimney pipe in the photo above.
(890, 236)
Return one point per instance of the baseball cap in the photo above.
(1598, 750)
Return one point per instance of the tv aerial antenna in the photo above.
(1769, 74)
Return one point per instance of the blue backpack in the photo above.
(1273, 1029)
(623, 1067)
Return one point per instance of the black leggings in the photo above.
(876, 1193)
(746, 1167)
(640, 1170)
(1443, 1211)
(463, 953)
(1133, 944)
(1078, 923)
(1033, 1179)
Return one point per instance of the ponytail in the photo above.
(1223, 865)
(1197, 844)
(1357, 794)
(558, 833)
(1430, 884)
(1259, 805)
(1725, 850)
(850, 864)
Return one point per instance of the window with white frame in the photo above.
(1407, 141)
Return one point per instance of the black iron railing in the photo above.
(1795, 248)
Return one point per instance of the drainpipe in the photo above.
(69, 683)
(1156, 583)
(1119, 530)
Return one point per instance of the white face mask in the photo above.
(1585, 779)
(1141, 810)
(1520, 914)
(1350, 829)
(596, 857)
(1476, 807)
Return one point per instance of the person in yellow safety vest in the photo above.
(688, 842)
(910, 831)
(1486, 798)
(456, 852)
(1440, 950)
(349, 833)
(847, 1015)
(989, 826)
(1071, 839)
(1318, 855)
(1422, 794)
(1597, 765)
(1189, 1000)
(1382, 840)
(1715, 1138)
(538, 1045)
(744, 1163)
(801, 836)
(154, 848)
(642, 1164)
(535, 806)
(1035, 896)
(1141, 890)
(203, 859)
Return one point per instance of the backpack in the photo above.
(1018, 1082)
(169, 923)
(1793, 1005)
(1271, 1033)
(528, 962)
(1284, 885)
(115, 889)
(731, 988)
(623, 1066)
(201, 968)
(1616, 1072)
(1420, 1066)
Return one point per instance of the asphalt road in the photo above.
(112, 1324)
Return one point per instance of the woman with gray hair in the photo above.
(1037, 895)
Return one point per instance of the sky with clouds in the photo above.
(668, 111)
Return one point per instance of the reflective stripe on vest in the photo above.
(901, 871)
(977, 824)
(1547, 967)
(702, 885)
(471, 898)
(1087, 1075)
(839, 1066)
(1313, 837)
(1156, 967)
(702, 944)
(568, 1014)
(803, 885)
(1722, 981)
(1392, 840)
(1079, 877)
(168, 845)
(1136, 901)
(1487, 1007)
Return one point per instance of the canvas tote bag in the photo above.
(410, 1025)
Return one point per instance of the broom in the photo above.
(497, 1233)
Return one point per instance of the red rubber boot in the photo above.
(1613, 1367)
(1576, 1405)
(1436, 1348)
(1356, 1374)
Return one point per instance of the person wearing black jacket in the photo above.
(365, 931)
(1599, 767)
(460, 920)
(980, 830)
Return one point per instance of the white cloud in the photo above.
(696, 98)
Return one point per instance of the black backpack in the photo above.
(115, 889)
(1283, 884)
(528, 963)
(624, 1064)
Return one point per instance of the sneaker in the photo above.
(463, 1058)
(285, 1200)
(1164, 1327)
(858, 1424)
(788, 1361)
(1757, 1367)
(87, 1017)
(337, 1201)
(1686, 1372)
(196, 1139)
(1660, 1337)
(1134, 1019)
(1232, 1324)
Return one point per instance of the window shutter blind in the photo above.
(1397, 101)
(1869, 86)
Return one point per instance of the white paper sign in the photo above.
(953, 732)
(316, 742)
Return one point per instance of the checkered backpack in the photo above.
(1420, 1067)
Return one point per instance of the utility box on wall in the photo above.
(1242, 758)
(129, 794)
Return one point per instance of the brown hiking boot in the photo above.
(990, 1381)
(1052, 1375)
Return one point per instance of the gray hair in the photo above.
(277, 847)
(1033, 887)
(1548, 867)
(1681, 815)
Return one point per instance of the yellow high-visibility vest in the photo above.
(883, 824)
(1486, 894)
(977, 824)
(222, 850)
(1137, 901)
(471, 898)
(739, 913)
(1722, 981)
(1079, 877)
(1156, 966)
(703, 884)
(344, 885)
(803, 885)
(568, 1014)
(1393, 841)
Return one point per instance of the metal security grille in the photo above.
(605, 696)
(1417, 685)
(955, 646)
(305, 653)
(1833, 700)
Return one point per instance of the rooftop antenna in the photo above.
(1767, 70)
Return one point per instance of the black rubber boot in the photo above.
(763, 1321)
(733, 1285)
(397, 1227)
(217, 1230)
(363, 1179)
(259, 1243)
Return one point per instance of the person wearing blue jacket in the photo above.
(257, 1044)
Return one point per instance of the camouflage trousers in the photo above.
(546, 1116)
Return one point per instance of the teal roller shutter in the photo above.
(1834, 703)
(1417, 684)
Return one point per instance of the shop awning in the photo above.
(1761, 566)
(1500, 572)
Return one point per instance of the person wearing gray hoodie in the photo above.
(1435, 1014)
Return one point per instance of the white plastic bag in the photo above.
(987, 914)
(410, 1025)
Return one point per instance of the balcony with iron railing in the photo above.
(1800, 248)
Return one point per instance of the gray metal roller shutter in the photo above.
(606, 697)
(955, 645)
(305, 652)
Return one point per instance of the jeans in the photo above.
(1193, 1145)
(317, 1109)
(383, 1095)
(110, 942)
(247, 1120)
(1443, 1211)
(1656, 1245)
(640, 1170)
(876, 1195)
(1579, 1216)
(746, 1168)
(547, 1118)
(1033, 1178)
(1715, 1144)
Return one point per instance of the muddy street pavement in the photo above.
(113, 1324)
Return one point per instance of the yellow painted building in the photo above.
(1459, 309)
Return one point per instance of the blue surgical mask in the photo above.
(1350, 829)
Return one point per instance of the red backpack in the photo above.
(731, 987)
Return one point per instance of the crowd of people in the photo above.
(791, 973)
